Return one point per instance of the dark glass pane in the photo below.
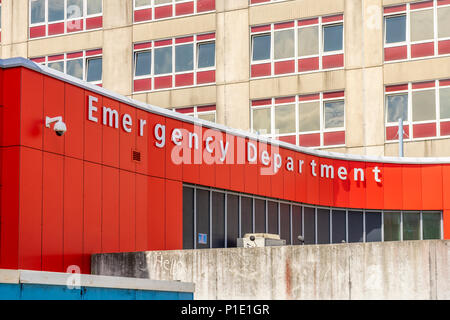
(332, 38)
(373, 226)
(184, 57)
(285, 223)
(261, 47)
(143, 63)
(355, 226)
(232, 220)
(188, 218)
(206, 55)
(391, 224)
(246, 215)
(202, 205)
(218, 220)
(163, 60)
(296, 224)
(339, 223)
(323, 226)
(310, 227)
(431, 223)
(94, 69)
(272, 217)
(395, 29)
(260, 216)
(411, 226)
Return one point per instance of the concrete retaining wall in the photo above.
(389, 270)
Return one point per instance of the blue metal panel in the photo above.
(47, 292)
(108, 294)
(185, 296)
(9, 291)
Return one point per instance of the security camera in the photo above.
(59, 127)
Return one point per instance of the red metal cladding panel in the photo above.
(163, 82)
(52, 212)
(206, 5)
(163, 12)
(446, 186)
(289, 172)
(174, 215)
(206, 77)
(392, 132)
(288, 139)
(92, 216)
(143, 15)
(36, 32)
(185, 79)
(142, 208)
(156, 214)
(10, 125)
(143, 135)
(443, 2)
(424, 130)
(207, 174)
(300, 170)
(261, 70)
(128, 128)
(93, 128)
(334, 138)
(9, 207)
(444, 47)
(341, 184)
(127, 211)
(423, 4)
(258, 1)
(74, 117)
(312, 172)
(56, 28)
(374, 188)
(308, 64)
(251, 168)
(110, 209)
(334, 61)
(237, 168)
(445, 128)
(111, 125)
(158, 141)
(142, 85)
(327, 173)
(184, 8)
(222, 168)
(309, 140)
(446, 218)
(32, 109)
(174, 154)
(283, 67)
(53, 107)
(395, 53)
(393, 182)
(277, 177)
(191, 156)
(30, 212)
(75, 25)
(432, 187)
(94, 23)
(73, 213)
(422, 50)
(265, 181)
(358, 180)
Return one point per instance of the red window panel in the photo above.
(261, 70)
(424, 4)
(144, 45)
(444, 47)
(142, 85)
(284, 25)
(424, 130)
(335, 94)
(163, 82)
(56, 58)
(75, 25)
(443, 83)
(206, 5)
(258, 1)
(206, 36)
(393, 9)
(334, 138)
(206, 77)
(285, 100)
(163, 12)
(206, 108)
(288, 139)
(422, 50)
(443, 2)
(262, 102)
(186, 79)
(56, 28)
(400, 87)
(184, 39)
(308, 64)
(38, 60)
(310, 140)
(422, 85)
(338, 17)
(75, 55)
(161, 43)
(308, 22)
(93, 52)
(94, 23)
(143, 15)
(184, 8)
(261, 28)
(185, 110)
(334, 61)
(309, 97)
(36, 32)
(283, 67)
(445, 128)
(395, 53)
(392, 132)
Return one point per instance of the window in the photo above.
(314, 120)
(416, 30)
(148, 10)
(297, 46)
(179, 62)
(207, 113)
(56, 17)
(423, 106)
(223, 224)
(84, 65)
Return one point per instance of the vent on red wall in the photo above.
(136, 156)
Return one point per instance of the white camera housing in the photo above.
(59, 127)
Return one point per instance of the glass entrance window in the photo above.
(411, 225)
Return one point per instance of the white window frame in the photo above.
(196, 113)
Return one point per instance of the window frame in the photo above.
(196, 112)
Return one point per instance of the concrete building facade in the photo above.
(332, 74)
